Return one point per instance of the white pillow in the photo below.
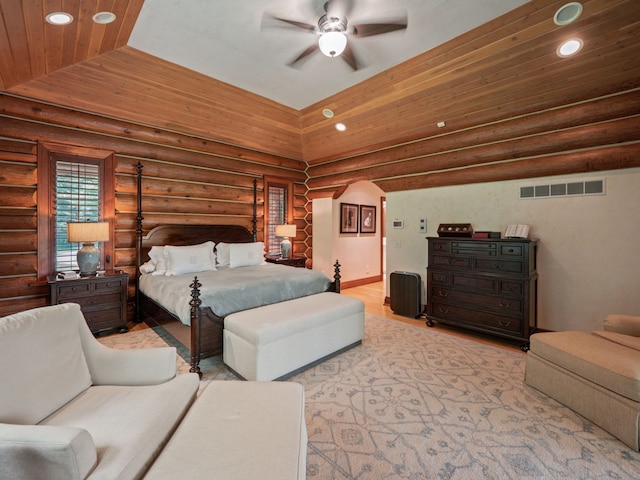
(148, 267)
(246, 254)
(222, 254)
(156, 254)
(190, 258)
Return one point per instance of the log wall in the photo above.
(186, 180)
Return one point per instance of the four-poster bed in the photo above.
(255, 285)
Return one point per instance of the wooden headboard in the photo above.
(193, 235)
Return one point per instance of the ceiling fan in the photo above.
(334, 29)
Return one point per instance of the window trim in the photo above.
(47, 156)
(276, 182)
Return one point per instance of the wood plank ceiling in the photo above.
(501, 89)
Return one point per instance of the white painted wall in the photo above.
(359, 254)
(589, 246)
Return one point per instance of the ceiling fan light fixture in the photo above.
(332, 44)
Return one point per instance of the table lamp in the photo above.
(285, 231)
(88, 233)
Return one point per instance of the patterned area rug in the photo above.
(412, 403)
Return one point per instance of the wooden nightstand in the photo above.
(103, 299)
(295, 261)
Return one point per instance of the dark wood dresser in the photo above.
(102, 299)
(486, 285)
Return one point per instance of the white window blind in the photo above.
(77, 200)
(277, 212)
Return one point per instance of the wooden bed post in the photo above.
(255, 211)
(195, 326)
(139, 219)
(336, 276)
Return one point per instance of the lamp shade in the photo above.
(332, 44)
(88, 232)
(285, 230)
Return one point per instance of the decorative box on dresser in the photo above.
(102, 299)
(486, 285)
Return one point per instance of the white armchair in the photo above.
(71, 408)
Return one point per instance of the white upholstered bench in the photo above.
(278, 340)
(239, 431)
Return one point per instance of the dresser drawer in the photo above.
(475, 319)
(497, 304)
(474, 248)
(450, 262)
(512, 250)
(494, 265)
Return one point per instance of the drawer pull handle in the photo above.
(443, 293)
(504, 305)
(504, 323)
(443, 310)
(511, 250)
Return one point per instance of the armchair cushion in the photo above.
(28, 451)
(625, 324)
(43, 362)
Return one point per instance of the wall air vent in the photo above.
(588, 187)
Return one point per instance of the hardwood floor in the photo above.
(373, 297)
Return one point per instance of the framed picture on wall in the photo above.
(348, 218)
(367, 219)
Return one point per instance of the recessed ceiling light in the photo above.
(59, 18)
(568, 13)
(341, 127)
(104, 17)
(327, 113)
(569, 48)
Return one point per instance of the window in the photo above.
(75, 184)
(278, 195)
(77, 200)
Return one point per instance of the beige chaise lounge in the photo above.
(595, 374)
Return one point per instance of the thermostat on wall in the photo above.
(398, 224)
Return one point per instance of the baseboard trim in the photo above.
(360, 281)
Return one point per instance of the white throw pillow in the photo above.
(189, 259)
(246, 254)
(148, 267)
(222, 254)
(156, 254)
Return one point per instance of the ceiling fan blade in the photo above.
(349, 57)
(305, 53)
(302, 25)
(370, 29)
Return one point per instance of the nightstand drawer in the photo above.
(72, 291)
(98, 299)
(113, 285)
